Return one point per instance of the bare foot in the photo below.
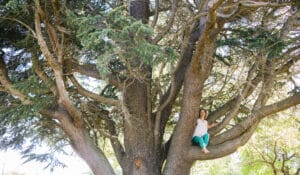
(205, 151)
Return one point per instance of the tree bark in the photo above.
(193, 86)
(141, 157)
(178, 161)
(138, 131)
(140, 10)
(81, 142)
(89, 152)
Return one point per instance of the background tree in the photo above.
(274, 149)
(158, 59)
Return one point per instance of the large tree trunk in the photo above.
(141, 157)
(178, 162)
(138, 131)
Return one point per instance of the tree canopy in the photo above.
(136, 73)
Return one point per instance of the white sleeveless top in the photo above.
(201, 128)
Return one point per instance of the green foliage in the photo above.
(17, 123)
(21, 125)
(109, 91)
(13, 4)
(274, 138)
(12, 33)
(255, 40)
(37, 92)
(48, 158)
(229, 165)
(115, 36)
(259, 40)
(18, 6)
(21, 122)
(15, 113)
(16, 116)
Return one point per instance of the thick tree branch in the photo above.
(91, 71)
(237, 102)
(38, 70)
(280, 106)
(7, 85)
(195, 77)
(267, 83)
(56, 10)
(249, 3)
(92, 95)
(156, 13)
(256, 116)
(188, 47)
(221, 111)
(207, 38)
(221, 150)
(42, 42)
(22, 23)
(115, 142)
(169, 98)
(169, 23)
(228, 11)
(56, 67)
(81, 142)
(56, 46)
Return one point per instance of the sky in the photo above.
(10, 161)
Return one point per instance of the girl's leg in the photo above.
(199, 141)
(206, 138)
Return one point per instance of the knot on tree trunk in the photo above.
(137, 163)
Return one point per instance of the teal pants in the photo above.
(201, 141)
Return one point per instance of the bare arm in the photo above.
(211, 125)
